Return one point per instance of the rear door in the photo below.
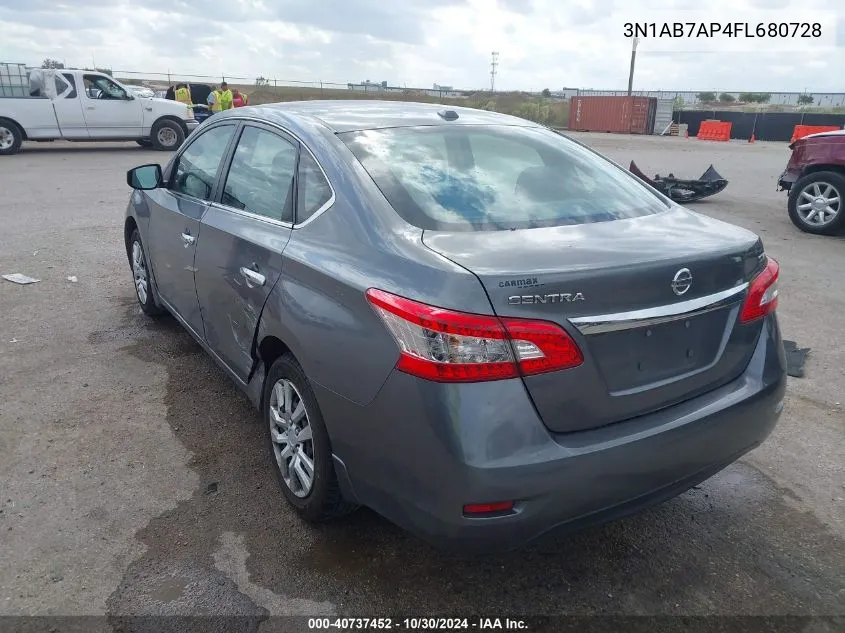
(175, 213)
(112, 113)
(68, 106)
(244, 232)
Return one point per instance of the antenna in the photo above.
(494, 61)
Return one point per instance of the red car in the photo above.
(815, 179)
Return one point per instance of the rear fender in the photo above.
(20, 127)
(255, 380)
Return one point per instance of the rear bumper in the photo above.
(787, 179)
(420, 451)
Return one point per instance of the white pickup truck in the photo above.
(80, 105)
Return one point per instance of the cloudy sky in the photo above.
(541, 43)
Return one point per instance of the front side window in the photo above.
(481, 177)
(196, 168)
(99, 87)
(260, 180)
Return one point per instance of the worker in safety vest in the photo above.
(239, 99)
(182, 94)
(214, 100)
(225, 97)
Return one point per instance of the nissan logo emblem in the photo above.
(682, 281)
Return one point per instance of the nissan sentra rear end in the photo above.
(631, 349)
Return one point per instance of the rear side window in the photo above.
(471, 178)
(313, 190)
(196, 169)
(72, 81)
(260, 180)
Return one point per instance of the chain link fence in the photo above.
(548, 110)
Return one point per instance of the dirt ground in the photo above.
(135, 480)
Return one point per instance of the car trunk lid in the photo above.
(653, 303)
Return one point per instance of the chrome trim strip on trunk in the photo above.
(655, 316)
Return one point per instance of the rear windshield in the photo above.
(474, 177)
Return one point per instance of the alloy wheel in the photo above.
(139, 271)
(819, 203)
(290, 432)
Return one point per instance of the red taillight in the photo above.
(448, 346)
(762, 296)
(488, 508)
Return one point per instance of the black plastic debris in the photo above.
(683, 191)
(795, 358)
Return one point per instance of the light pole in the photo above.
(635, 41)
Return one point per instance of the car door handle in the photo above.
(188, 239)
(253, 277)
(90, 108)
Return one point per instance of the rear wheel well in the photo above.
(812, 169)
(269, 350)
(17, 125)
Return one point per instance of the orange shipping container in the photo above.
(628, 115)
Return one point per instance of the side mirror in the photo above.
(144, 177)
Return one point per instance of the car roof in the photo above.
(351, 115)
(831, 133)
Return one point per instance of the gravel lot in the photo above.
(134, 477)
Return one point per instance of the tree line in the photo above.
(55, 64)
(746, 97)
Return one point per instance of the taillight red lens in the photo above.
(448, 346)
(762, 296)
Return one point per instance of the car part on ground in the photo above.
(684, 191)
(472, 325)
(795, 358)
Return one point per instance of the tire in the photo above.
(167, 135)
(138, 258)
(824, 218)
(144, 142)
(11, 138)
(322, 500)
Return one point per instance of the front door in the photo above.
(175, 214)
(239, 257)
(110, 111)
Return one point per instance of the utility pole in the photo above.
(636, 41)
(494, 61)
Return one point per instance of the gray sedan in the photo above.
(469, 323)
